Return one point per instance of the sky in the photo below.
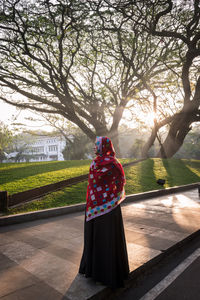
(9, 114)
(6, 112)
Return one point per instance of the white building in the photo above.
(42, 148)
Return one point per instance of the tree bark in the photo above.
(114, 135)
(180, 125)
(179, 128)
(149, 143)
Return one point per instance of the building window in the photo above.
(37, 149)
(53, 148)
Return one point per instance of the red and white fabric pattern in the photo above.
(106, 181)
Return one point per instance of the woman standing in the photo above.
(105, 255)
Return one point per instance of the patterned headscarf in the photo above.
(106, 181)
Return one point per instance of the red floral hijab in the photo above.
(106, 181)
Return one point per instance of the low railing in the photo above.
(15, 199)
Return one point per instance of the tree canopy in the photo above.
(89, 60)
(180, 21)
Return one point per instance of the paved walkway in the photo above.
(40, 259)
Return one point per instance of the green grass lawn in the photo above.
(139, 178)
(20, 177)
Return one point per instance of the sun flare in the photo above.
(150, 118)
(147, 118)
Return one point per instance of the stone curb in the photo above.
(156, 193)
(40, 214)
(58, 211)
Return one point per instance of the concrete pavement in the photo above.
(40, 259)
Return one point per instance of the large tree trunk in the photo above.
(179, 128)
(149, 143)
(114, 135)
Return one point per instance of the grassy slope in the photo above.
(20, 177)
(139, 178)
(24, 176)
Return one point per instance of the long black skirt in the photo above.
(105, 256)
